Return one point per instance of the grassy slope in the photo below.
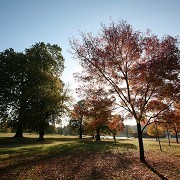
(68, 157)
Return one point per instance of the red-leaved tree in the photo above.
(77, 115)
(98, 113)
(116, 125)
(134, 66)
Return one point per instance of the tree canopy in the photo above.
(136, 67)
(32, 91)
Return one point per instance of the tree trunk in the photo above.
(80, 130)
(98, 135)
(41, 136)
(141, 147)
(19, 131)
(176, 133)
(168, 136)
(80, 135)
(157, 135)
(114, 137)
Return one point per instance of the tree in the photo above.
(166, 127)
(98, 111)
(32, 93)
(77, 117)
(99, 104)
(133, 65)
(115, 125)
(51, 130)
(13, 94)
(45, 86)
(129, 130)
(171, 120)
(152, 131)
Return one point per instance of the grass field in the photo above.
(67, 157)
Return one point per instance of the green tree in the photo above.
(32, 92)
(46, 88)
(14, 85)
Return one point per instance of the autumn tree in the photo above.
(98, 110)
(153, 130)
(134, 66)
(77, 115)
(115, 125)
(171, 121)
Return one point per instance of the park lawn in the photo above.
(66, 157)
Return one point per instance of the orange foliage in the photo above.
(116, 123)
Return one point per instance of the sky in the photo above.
(26, 22)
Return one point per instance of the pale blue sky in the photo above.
(25, 22)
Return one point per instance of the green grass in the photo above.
(153, 145)
(56, 144)
(60, 143)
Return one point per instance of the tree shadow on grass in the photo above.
(10, 142)
(57, 150)
(84, 157)
(127, 146)
(102, 146)
(154, 170)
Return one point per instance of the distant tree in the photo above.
(77, 115)
(166, 127)
(59, 130)
(129, 130)
(88, 129)
(152, 130)
(116, 125)
(67, 130)
(51, 129)
(134, 66)
(171, 120)
(99, 111)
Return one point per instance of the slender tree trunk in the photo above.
(141, 146)
(41, 136)
(114, 137)
(168, 137)
(80, 129)
(98, 134)
(157, 133)
(176, 133)
(80, 135)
